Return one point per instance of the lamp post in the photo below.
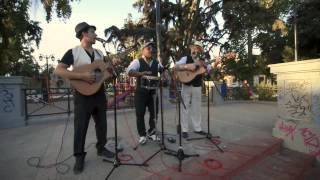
(295, 32)
(47, 57)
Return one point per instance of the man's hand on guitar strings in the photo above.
(88, 77)
(191, 67)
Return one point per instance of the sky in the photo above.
(58, 36)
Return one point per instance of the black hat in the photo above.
(81, 27)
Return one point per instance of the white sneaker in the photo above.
(142, 140)
(152, 132)
(154, 137)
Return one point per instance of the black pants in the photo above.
(143, 99)
(84, 108)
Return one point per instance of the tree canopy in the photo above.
(236, 27)
(182, 23)
(18, 34)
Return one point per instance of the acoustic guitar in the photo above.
(188, 75)
(101, 70)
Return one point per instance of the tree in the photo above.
(18, 33)
(61, 7)
(308, 28)
(182, 22)
(249, 24)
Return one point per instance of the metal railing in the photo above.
(41, 102)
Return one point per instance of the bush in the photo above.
(239, 93)
(266, 92)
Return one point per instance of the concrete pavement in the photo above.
(43, 137)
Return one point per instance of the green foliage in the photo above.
(239, 93)
(266, 91)
(248, 24)
(233, 64)
(182, 22)
(18, 34)
(61, 7)
(288, 54)
(308, 18)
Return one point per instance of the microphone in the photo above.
(101, 40)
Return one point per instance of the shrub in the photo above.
(266, 91)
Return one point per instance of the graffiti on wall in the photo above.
(6, 99)
(288, 128)
(316, 108)
(297, 99)
(311, 141)
(280, 91)
(309, 138)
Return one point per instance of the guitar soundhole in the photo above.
(97, 74)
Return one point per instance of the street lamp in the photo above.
(47, 57)
(295, 32)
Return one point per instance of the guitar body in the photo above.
(187, 76)
(98, 68)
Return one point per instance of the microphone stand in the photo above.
(179, 153)
(208, 134)
(159, 48)
(116, 162)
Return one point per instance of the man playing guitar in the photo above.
(85, 106)
(191, 91)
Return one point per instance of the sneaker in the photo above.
(200, 132)
(142, 140)
(106, 153)
(79, 165)
(151, 132)
(154, 137)
(185, 135)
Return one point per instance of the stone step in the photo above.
(312, 174)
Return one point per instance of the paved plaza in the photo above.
(42, 138)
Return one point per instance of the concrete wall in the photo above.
(12, 101)
(299, 105)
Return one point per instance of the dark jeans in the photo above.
(143, 99)
(84, 108)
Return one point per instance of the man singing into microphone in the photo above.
(85, 106)
(191, 91)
